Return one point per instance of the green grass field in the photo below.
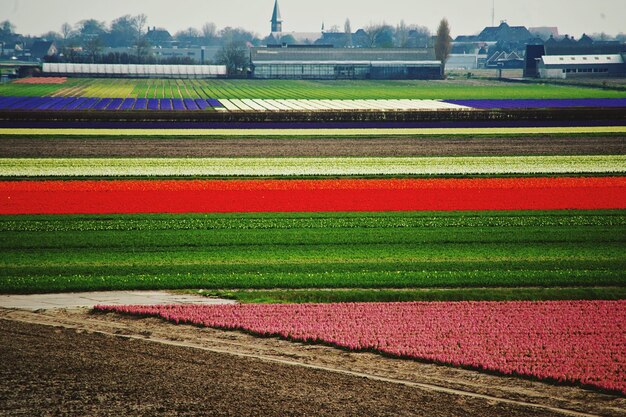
(353, 250)
(297, 89)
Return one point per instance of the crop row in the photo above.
(294, 130)
(207, 167)
(110, 104)
(566, 341)
(444, 222)
(144, 196)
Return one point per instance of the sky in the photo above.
(466, 17)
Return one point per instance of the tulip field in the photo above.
(299, 89)
(515, 225)
(572, 341)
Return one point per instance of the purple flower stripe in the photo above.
(74, 104)
(114, 104)
(31, 103)
(202, 104)
(65, 101)
(541, 103)
(166, 104)
(190, 104)
(127, 104)
(141, 104)
(214, 102)
(153, 104)
(88, 104)
(178, 105)
(12, 102)
(50, 103)
(102, 104)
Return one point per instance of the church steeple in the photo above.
(277, 21)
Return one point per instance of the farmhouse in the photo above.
(309, 62)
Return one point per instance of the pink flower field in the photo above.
(580, 342)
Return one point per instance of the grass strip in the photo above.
(403, 295)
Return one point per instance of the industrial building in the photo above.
(569, 66)
(309, 62)
(568, 59)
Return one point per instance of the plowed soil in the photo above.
(453, 146)
(76, 363)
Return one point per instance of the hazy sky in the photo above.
(465, 16)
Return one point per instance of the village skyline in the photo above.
(574, 17)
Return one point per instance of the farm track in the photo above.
(308, 147)
(137, 354)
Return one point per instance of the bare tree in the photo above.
(139, 23)
(402, 35)
(209, 30)
(66, 32)
(347, 28)
(443, 44)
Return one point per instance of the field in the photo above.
(286, 89)
(524, 217)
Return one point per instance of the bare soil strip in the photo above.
(260, 147)
(228, 372)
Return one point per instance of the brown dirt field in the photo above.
(480, 146)
(71, 362)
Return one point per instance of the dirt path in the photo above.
(129, 147)
(306, 379)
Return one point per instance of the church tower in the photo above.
(277, 21)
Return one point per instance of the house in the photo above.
(159, 37)
(42, 49)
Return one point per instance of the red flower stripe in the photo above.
(201, 196)
(567, 341)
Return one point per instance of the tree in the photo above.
(126, 30)
(234, 55)
(379, 36)
(443, 44)
(402, 35)
(66, 32)
(347, 28)
(51, 36)
(93, 48)
(91, 28)
(209, 31)
(7, 27)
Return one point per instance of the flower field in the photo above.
(102, 197)
(41, 80)
(574, 341)
(301, 89)
(289, 167)
(343, 205)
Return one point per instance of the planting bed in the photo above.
(205, 196)
(565, 341)
(140, 147)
